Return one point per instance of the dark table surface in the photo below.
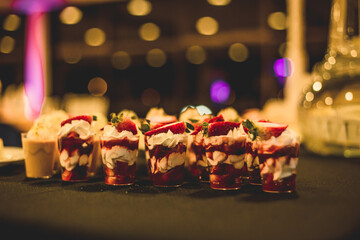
(326, 205)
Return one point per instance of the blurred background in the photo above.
(108, 55)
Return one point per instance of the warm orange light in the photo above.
(95, 37)
(207, 26)
(97, 86)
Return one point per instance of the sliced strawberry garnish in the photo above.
(221, 128)
(175, 128)
(196, 131)
(219, 118)
(126, 125)
(269, 129)
(80, 117)
(159, 121)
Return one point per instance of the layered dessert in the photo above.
(40, 145)
(165, 150)
(225, 152)
(278, 154)
(76, 143)
(119, 148)
(198, 164)
(252, 162)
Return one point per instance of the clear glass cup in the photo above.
(75, 158)
(278, 165)
(40, 157)
(226, 161)
(119, 160)
(166, 165)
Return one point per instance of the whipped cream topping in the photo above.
(168, 139)
(287, 138)
(197, 140)
(70, 162)
(251, 162)
(118, 153)
(47, 126)
(81, 127)
(110, 133)
(220, 157)
(167, 163)
(236, 134)
(279, 167)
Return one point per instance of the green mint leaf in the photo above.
(94, 117)
(189, 126)
(193, 120)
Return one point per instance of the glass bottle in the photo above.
(329, 111)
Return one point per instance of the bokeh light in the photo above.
(7, 44)
(283, 67)
(97, 86)
(202, 109)
(309, 96)
(149, 31)
(72, 55)
(150, 97)
(317, 86)
(349, 96)
(238, 52)
(156, 57)
(329, 101)
(219, 2)
(207, 26)
(121, 60)
(196, 54)
(220, 91)
(11, 22)
(95, 37)
(70, 15)
(139, 7)
(277, 20)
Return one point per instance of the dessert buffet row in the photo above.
(221, 149)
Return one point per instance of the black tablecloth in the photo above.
(325, 206)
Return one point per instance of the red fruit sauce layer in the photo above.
(72, 144)
(199, 172)
(160, 151)
(131, 145)
(285, 184)
(225, 176)
(173, 177)
(237, 148)
(291, 151)
(254, 173)
(78, 174)
(122, 174)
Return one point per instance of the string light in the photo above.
(70, 15)
(238, 52)
(95, 37)
(207, 26)
(156, 57)
(11, 22)
(196, 54)
(149, 31)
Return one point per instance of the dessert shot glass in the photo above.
(119, 160)
(225, 152)
(278, 163)
(39, 157)
(165, 150)
(75, 156)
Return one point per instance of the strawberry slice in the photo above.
(127, 125)
(219, 118)
(159, 121)
(221, 128)
(175, 128)
(80, 117)
(269, 129)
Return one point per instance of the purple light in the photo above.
(32, 6)
(219, 91)
(283, 67)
